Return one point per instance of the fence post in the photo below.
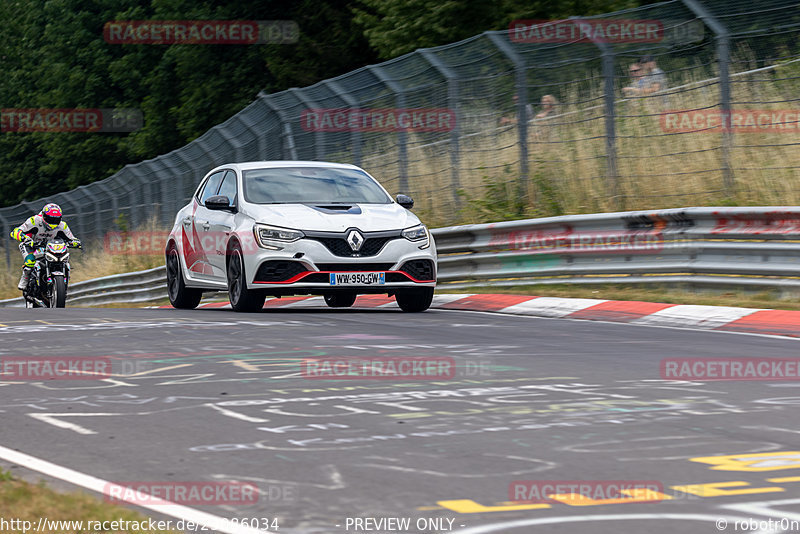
(612, 176)
(352, 102)
(402, 135)
(724, 59)
(145, 196)
(452, 102)
(287, 138)
(319, 135)
(521, 89)
(114, 203)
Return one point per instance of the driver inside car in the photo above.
(38, 230)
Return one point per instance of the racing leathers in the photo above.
(32, 233)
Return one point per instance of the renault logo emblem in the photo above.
(355, 240)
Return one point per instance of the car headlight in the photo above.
(418, 233)
(266, 234)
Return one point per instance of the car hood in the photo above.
(365, 217)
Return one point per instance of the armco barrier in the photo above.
(746, 247)
(753, 246)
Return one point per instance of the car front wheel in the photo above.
(242, 299)
(180, 296)
(415, 300)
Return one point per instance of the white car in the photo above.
(298, 228)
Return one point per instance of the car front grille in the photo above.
(339, 246)
(350, 267)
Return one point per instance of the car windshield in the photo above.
(311, 185)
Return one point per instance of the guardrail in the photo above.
(744, 247)
(753, 246)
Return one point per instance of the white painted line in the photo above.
(551, 306)
(215, 523)
(696, 316)
(50, 418)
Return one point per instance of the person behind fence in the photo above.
(647, 78)
(513, 120)
(37, 230)
(637, 82)
(548, 103)
(549, 110)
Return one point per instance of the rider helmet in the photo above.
(51, 214)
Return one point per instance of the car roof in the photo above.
(248, 165)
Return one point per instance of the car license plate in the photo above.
(358, 279)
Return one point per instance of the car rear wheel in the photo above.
(340, 300)
(180, 296)
(242, 299)
(415, 300)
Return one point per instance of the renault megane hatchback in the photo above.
(298, 228)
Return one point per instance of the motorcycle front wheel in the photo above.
(58, 297)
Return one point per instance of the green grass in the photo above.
(29, 502)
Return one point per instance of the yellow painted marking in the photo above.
(784, 479)
(467, 506)
(634, 495)
(714, 489)
(429, 508)
(769, 461)
(44, 322)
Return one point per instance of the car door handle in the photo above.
(187, 221)
(206, 225)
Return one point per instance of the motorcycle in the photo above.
(49, 278)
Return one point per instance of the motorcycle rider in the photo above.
(37, 230)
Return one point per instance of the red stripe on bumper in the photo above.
(487, 302)
(619, 310)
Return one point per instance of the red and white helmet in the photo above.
(51, 214)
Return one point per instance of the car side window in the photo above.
(228, 187)
(212, 185)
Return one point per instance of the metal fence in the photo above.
(594, 148)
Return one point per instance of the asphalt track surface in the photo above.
(212, 395)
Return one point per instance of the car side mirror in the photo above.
(220, 203)
(406, 201)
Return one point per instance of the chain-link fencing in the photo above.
(549, 118)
